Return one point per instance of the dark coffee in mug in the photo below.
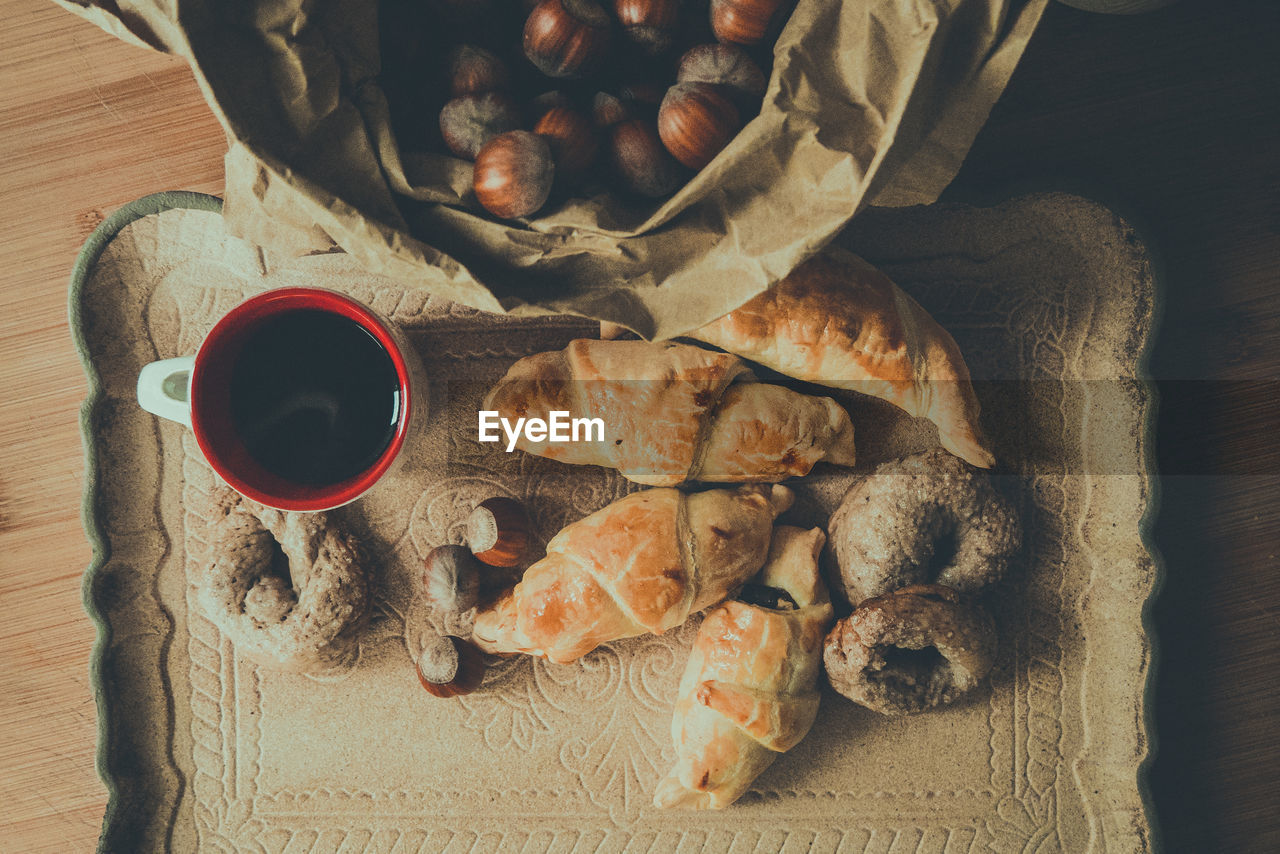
(314, 396)
(300, 398)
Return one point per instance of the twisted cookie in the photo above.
(914, 649)
(296, 607)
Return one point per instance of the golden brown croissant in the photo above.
(750, 688)
(838, 321)
(642, 564)
(673, 412)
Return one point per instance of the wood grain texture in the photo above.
(1170, 117)
(87, 123)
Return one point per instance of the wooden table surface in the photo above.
(1172, 117)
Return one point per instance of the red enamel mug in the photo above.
(299, 398)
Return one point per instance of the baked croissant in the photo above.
(673, 412)
(750, 688)
(642, 564)
(838, 321)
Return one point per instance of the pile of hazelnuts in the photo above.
(632, 96)
(455, 581)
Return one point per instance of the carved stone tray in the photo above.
(1051, 297)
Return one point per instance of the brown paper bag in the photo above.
(870, 101)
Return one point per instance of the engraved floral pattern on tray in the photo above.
(570, 754)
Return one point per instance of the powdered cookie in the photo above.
(911, 650)
(929, 517)
(285, 587)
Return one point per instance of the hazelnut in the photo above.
(573, 142)
(451, 581)
(474, 71)
(695, 122)
(608, 110)
(513, 174)
(642, 99)
(742, 21)
(499, 531)
(450, 589)
(449, 667)
(542, 104)
(467, 123)
(723, 64)
(649, 23)
(566, 38)
(637, 156)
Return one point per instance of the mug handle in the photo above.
(163, 387)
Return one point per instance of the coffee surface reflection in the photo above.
(314, 396)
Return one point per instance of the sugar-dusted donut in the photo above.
(911, 650)
(926, 518)
(287, 588)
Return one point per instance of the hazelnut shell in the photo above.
(608, 110)
(573, 141)
(696, 121)
(540, 105)
(468, 122)
(644, 98)
(639, 159)
(513, 174)
(499, 531)
(724, 64)
(567, 38)
(451, 580)
(648, 23)
(474, 71)
(450, 667)
(742, 21)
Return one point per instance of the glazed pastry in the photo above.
(642, 564)
(673, 412)
(929, 517)
(750, 688)
(304, 620)
(838, 321)
(911, 650)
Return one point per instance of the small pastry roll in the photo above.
(641, 565)
(672, 413)
(750, 688)
(838, 321)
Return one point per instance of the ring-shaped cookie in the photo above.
(927, 518)
(286, 587)
(911, 650)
